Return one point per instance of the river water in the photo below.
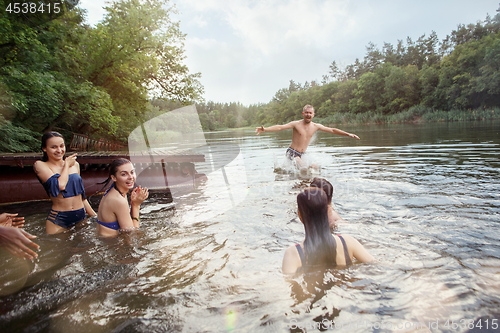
(424, 199)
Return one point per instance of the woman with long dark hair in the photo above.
(114, 213)
(61, 179)
(320, 248)
(333, 217)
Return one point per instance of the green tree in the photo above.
(459, 83)
(402, 89)
(343, 95)
(369, 93)
(137, 51)
(488, 83)
(58, 72)
(39, 71)
(429, 81)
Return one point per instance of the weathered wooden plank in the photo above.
(22, 159)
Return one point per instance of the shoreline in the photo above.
(407, 117)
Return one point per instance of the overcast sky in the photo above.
(246, 50)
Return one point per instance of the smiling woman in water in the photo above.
(61, 179)
(114, 214)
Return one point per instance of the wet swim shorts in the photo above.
(66, 219)
(292, 153)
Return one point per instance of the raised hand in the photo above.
(71, 160)
(138, 195)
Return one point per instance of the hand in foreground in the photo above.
(138, 195)
(259, 130)
(11, 220)
(16, 241)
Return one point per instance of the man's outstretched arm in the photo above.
(336, 131)
(274, 128)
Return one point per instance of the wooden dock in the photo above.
(156, 169)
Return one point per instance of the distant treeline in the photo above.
(457, 78)
(58, 73)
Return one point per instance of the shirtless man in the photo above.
(303, 131)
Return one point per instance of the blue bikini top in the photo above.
(112, 225)
(74, 186)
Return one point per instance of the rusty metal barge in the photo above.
(156, 170)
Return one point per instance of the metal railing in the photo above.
(81, 142)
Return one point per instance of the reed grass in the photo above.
(417, 113)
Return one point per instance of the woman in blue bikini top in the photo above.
(61, 180)
(320, 248)
(114, 213)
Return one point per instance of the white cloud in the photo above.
(270, 25)
(247, 50)
(95, 10)
(271, 43)
(199, 21)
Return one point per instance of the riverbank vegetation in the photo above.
(58, 73)
(424, 80)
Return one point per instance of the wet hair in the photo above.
(45, 137)
(319, 244)
(325, 185)
(113, 169)
(307, 106)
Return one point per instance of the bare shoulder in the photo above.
(42, 170)
(321, 127)
(294, 123)
(117, 202)
(112, 204)
(291, 260)
(291, 250)
(77, 167)
(358, 250)
(349, 239)
(39, 166)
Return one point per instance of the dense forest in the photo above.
(457, 78)
(58, 73)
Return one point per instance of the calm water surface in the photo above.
(423, 199)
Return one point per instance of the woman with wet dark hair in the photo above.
(61, 179)
(320, 248)
(114, 213)
(333, 217)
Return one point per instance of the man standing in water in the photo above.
(303, 131)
